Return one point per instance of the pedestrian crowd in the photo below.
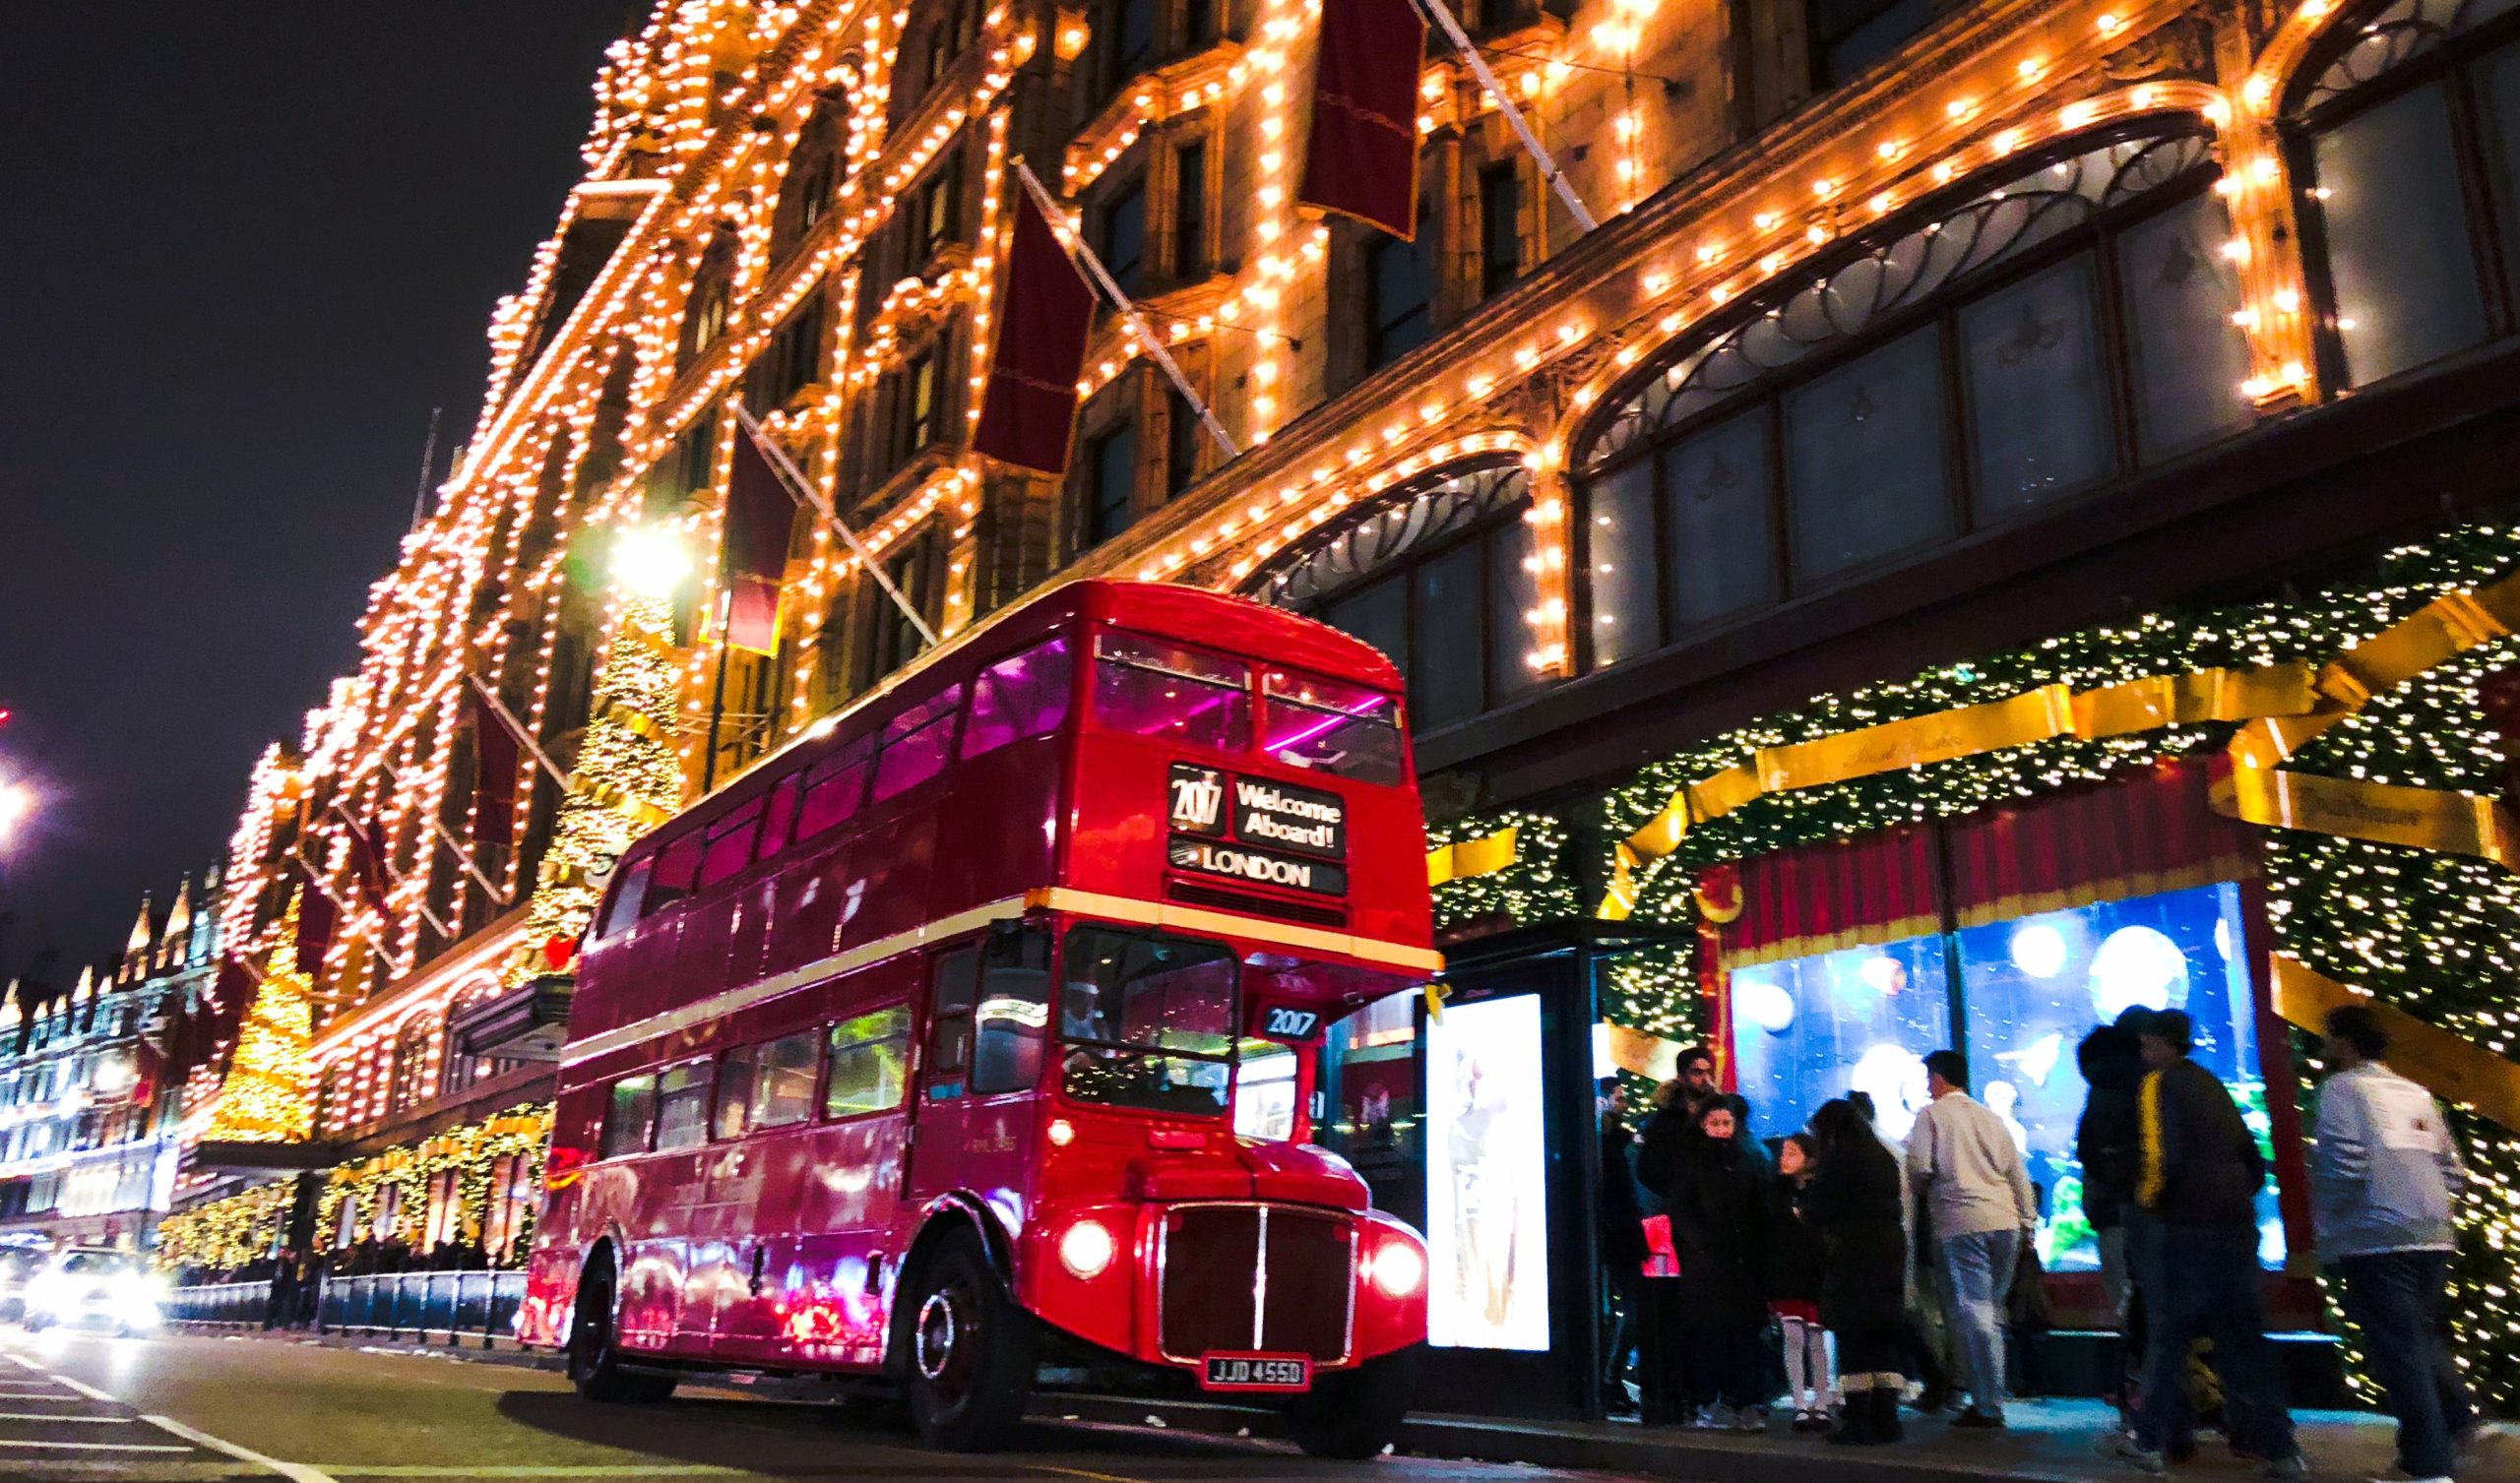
(1853, 1277)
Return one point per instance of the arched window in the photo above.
(706, 315)
(461, 1070)
(2015, 344)
(412, 1081)
(2406, 134)
(807, 194)
(1434, 574)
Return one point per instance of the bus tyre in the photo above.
(1353, 1414)
(595, 1357)
(970, 1350)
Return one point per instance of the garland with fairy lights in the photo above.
(471, 1153)
(2435, 935)
(1533, 888)
(268, 1094)
(226, 1234)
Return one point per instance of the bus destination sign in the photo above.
(1255, 830)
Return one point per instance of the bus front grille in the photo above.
(1247, 1277)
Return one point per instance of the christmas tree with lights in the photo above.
(269, 1095)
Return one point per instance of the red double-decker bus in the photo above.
(978, 1031)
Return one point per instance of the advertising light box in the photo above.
(1486, 1184)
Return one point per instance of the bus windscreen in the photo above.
(1149, 689)
(1147, 1021)
(1344, 730)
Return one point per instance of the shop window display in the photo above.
(1807, 1030)
(2034, 985)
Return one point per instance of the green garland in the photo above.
(1534, 889)
(224, 1235)
(2435, 935)
(472, 1151)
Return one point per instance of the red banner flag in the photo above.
(1362, 158)
(761, 515)
(1028, 414)
(367, 860)
(317, 920)
(495, 759)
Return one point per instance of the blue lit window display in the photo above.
(1807, 1030)
(2036, 984)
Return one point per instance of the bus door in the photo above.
(976, 1101)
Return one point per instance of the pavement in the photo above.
(197, 1406)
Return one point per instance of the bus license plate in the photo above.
(1259, 1372)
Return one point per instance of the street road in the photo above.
(186, 1407)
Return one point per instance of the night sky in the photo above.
(247, 247)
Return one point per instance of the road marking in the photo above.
(296, 1472)
(52, 1416)
(1080, 1473)
(23, 1362)
(84, 1388)
(103, 1447)
(24, 1387)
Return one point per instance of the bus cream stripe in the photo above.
(1057, 898)
(734, 1000)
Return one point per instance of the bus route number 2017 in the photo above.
(1290, 1024)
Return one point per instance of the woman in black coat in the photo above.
(1854, 1201)
(1717, 1197)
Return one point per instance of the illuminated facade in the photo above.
(1910, 331)
(88, 1114)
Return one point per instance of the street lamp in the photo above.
(16, 801)
(648, 562)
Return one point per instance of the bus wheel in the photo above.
(1355, 1413)
(595, 1358)
(970, 1350)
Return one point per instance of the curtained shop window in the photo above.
(2408, 133)
(2025, 341)
(2010, 933)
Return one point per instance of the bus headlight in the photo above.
(1398, 1269)
(1086, 1249)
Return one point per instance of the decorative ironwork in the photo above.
(1923, 259)
(2399, 32)
(1384, 529)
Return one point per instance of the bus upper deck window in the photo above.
(1345, 730)
(915, 744)
(834, 788)
(730, 847)
(626, 899)
(1151, 689)
(678, 867)
(1017, 697)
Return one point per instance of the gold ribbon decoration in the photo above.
(2025, 719)
(1464, 858)
(2450, 1067)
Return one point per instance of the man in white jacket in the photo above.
(1973, 1187)
(2384, 1174)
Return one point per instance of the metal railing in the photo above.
(451, 1307)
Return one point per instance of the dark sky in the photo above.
(245, 248)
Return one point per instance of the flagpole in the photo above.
(516, 728)
(1549, 169)
(796, 478)
(1083, 256)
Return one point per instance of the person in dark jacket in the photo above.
(1855, 1200)
(1621, 1233)
(1718, 1198)
(2106, 1143)
(1664, 1333)
(2196, 1183)
(1795, 1268)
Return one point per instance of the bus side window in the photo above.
(626, 899)
(782, 1078)
(778, 820)
(682, 1106)
(677, 865)
(629, 1116)
(1023, 697)
(1014, 1011)
(868, 1057)
(915, 744)
(736, 1077)
(834, 788)
(730, 847)
(949, 1022)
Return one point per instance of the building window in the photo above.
(1896, 398)
(794, 359)
(1500, 227)
(1119, 234)
(919, 408)
(1111, 484)
(1190, 210)
(2409, 133)
(937, 211)
(1198, 22)
(1400, 296)
(1432, 574)
(896, 641)
(1125, 40)
(411, 1082)
(806, 196)
(706, 317)
(1183, 435)
(1848, 35)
